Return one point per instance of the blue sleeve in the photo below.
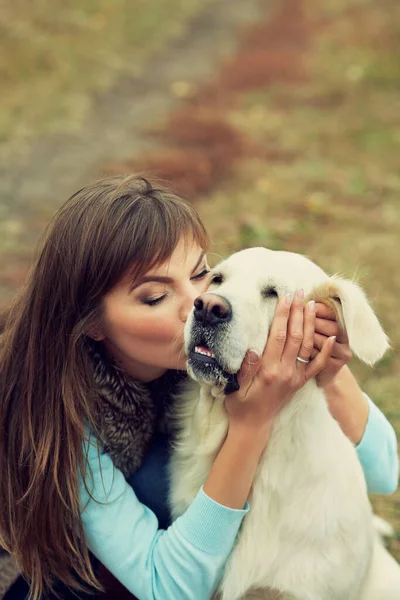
(184, 562)
(377, 452)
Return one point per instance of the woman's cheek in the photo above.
(157, 329)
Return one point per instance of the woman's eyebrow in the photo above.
(162, 279)
(198, 262)
(157, 278)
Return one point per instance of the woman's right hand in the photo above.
(269, 382)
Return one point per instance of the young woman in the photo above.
(91, 354)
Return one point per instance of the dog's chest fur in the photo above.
(309, 525)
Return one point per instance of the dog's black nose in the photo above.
(211, 309)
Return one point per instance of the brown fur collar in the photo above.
(131, 412)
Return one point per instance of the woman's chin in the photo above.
(180, 364)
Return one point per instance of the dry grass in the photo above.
(202, 148)
(55, 56)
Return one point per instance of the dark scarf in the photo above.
(131, 412)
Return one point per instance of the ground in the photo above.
(291, 143)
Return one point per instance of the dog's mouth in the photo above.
(204, 355)
(205, 367)
(204, 363)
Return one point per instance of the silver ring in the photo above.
(302, 360)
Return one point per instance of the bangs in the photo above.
(152, 228)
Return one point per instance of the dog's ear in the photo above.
(367, 339)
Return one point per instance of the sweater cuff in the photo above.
(210, 526)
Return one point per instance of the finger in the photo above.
(336, 361)
(339, 350)
(329, 328)
(323, 311)
(278, 332)
(320, 361)
(295, 330)
(308, 332)
(248, 370)
(325, 314)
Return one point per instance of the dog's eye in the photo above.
(217, 279)
(269, 292)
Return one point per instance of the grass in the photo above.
(56, 56)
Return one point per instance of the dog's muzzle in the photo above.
(211, 313)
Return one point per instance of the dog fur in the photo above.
(309, 534)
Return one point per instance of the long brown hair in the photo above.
(104, 231)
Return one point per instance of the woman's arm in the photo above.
(359, 418)
(347, 404)
(184, 562)
(367, 427)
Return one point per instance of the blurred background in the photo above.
(280, 120)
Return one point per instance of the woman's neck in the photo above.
(139, 371)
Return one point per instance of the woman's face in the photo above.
(143, 322)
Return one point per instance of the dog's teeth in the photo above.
(199, 350)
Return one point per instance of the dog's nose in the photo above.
(211, 309)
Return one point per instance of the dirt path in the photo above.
(42, 176)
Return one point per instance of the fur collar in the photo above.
(130, 412)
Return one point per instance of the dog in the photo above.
(309, 533)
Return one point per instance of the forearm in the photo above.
(231, 477)
(347, 404)
(184, 562)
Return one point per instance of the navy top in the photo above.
(151, 481)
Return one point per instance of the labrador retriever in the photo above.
(309, 533)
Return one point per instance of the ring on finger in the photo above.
(302, 360)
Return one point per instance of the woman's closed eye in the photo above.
(152, 301)
(202, 274)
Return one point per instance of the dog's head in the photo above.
(237, 311)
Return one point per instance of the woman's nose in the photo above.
(187, 305)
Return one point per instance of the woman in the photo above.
(91, 354)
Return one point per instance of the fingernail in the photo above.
(311, 307)
(300, 294)
(288, 297)
(252, 357)
(333, 339)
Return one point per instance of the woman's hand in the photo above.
(269, 382)
(325, 326)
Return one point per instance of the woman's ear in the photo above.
(96, 334)
(367, 339)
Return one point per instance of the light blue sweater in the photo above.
(186, 561)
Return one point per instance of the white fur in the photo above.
(309, 534)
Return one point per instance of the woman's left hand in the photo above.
(326, 326)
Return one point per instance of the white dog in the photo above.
(309, 533)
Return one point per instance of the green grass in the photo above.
(55, 55)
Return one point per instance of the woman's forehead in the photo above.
(187, 255)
